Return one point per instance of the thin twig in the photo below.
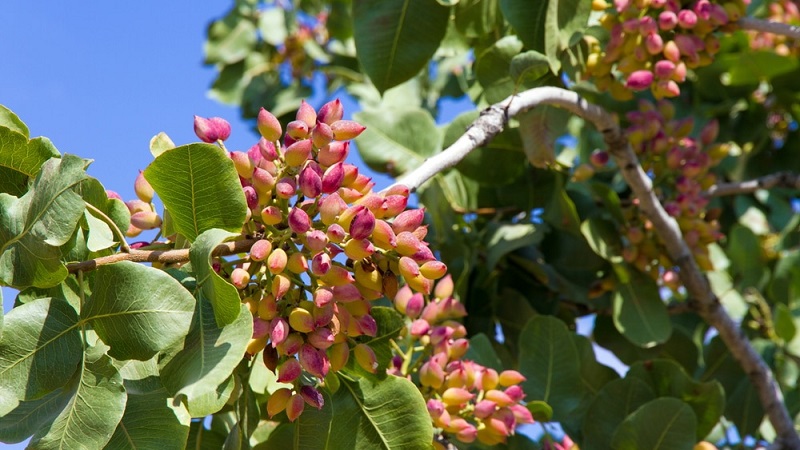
(160, 256)
(768, 26)
(493, 120)
(787, 180)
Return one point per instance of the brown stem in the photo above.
(787, 180)
(160, 256)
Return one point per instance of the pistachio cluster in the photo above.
(466, 400)
(652, 43)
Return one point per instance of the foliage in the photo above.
(297, 307)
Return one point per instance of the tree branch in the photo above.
(704, 301)
(160, 256)
(787, 180)
(768, 26)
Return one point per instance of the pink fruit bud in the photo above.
(291, 345)
(368, 325)
(250, 196)
(320, 264)
(433, 270)
(298, 153)
(312, 396)
(408, 220)
(269, 126)
(289, 371)
(338, 354)
(260, 328)
(313, 360)
(499, 397)
(419, 327)
(145, 220)
(330, 208)
(639, 80)
(142, 188)
(362, 225)
(415, 306)
(243, 164)
(383, 236)
(280, 286)
(331, 112)
(346, 293)
(709, 132)
(299, 221)
(456, 396)
(523, 415)
(333, 153)
(260, 250)
(332, 179)
(280, 331)
(113, 194)
(263, 182)
(211, 130)
(408, 267)
(672, 52)
(321, 135)
(338, 276)
(654, 43)
(295, 407)
(306, 114)
(395, 204)
(647, 25)
(664, 69)
(344, 130)
(297, 130)
(515, 392)
(267, 149)
(667, 20)
(703, 9)
(719, 16)
(310, 182)
(510, 378)
(321, 338)
(484, 409)
(286, 187)
(687, 19)
(667, 88)
(358, 249)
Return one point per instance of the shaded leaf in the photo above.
(395, 39)
(37, 337)
(481, 351)
(492, 68)
(615, 401)
(138, 310)
(504, 239)
(150, 421)
(200, 187)
(549, 360)
(662, 424)
(639, 313)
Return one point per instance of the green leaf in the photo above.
(36, 224)
(395, 39)
(272, 25)
(212, 401)
(95, 194)
(223, 296)
(37, 337)
(200, 187)
(752, 67)
(492, 68)
(603, 236)
(94, 409)
(201, 438)
(230, 39)
(549, 360)
(100, 235)
(743, 408)
(668, 379)
(528, 19)
(506, 238)
(498, 163)
(209, 354)
(639, 313)
(389, 414)
(150, 421)
(784, 322)
(530, 65)
(613, 404)
(22, 155)
(593, 374)
(28, 417)
(397, 140)
(662, 424)
(138, 310)
(160, 143)
(477, 18)
(10, 120)
(744, 251)
(541, 411)
(539, 129)
(566, 21)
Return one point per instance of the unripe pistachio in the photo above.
(263, 182)
(639, 80)
(316, 241)
(297, 263)
(280, 286)
(515, 393)
(408, 220)
(332, 179)
(444, 288)
(276, 261)
(336, 233)
(310, 182)
(314, 361)
(145, 220)
(484, 409)
(433, 270)
(286, 187)
(654, 43)
(250, 196)
(667, 20)
(277, 401)
(211, 130)
(344, 130)
(330, 208)
(395, 204)
(312, 396)
(672, 52)
(306, 114)
(240, 278)
(269, 126)
(321, 135)
(431, 375)
(511, 378)
(499, 397)
(419, 328)
(362, 224)
(367, 277)
(320, 264)
(321, 338)
(297, 153)
(280, 331)
(357, 249)
(333, 153)
(271, 358)
(456, 396)
(299, 221)
(331, 112)
(142, 188)
(365, 357)
(337, 276)
(521, 414)
(291, 345)
(368, 325)
(301, 320)
(243, 164)
(267, 149)
(294, 407)
(271, 215)
(338, 354)
(267, 307)
(289, 371)
(298, 130)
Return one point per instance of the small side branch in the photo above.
(768, 26)
(786, 180)
(159, 256)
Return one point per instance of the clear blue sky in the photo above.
(101, 78)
